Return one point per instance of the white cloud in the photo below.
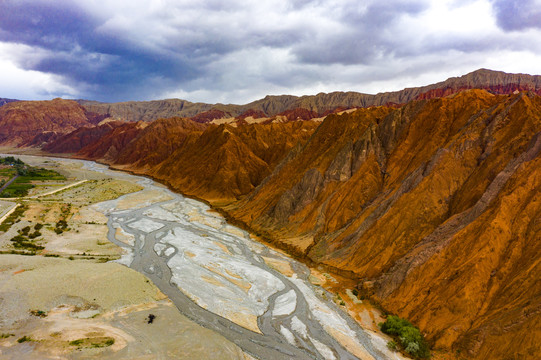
(28, 84)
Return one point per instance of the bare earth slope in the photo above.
(226, 162)
(78, 139)
(434, 206)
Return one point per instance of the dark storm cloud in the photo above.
(113, 65)
(143, 49)
(110, 67)
(517, 15)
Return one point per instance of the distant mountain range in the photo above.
(4, 101)
(495, 82)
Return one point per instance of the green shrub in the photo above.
(24, 339)
(34, 235)
(24, 230)
(38, 313)
(410, 337)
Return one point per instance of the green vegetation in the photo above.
(38, 313)
(97, 342)
(22, 242)
(24, 339)
(6, 335)
(27, 174)
(61, 226)
(13, 217)
(10, 160)
(410, 338)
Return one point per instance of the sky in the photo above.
(237, 51)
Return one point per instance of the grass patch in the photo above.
(22, 242)
(61, 226)
(94, 342)
(27, 174)
(6, 335)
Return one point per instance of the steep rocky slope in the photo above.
(78, 139)
(147, 110)
(435, 206)
(156, 143)
(108, 147)
(34, 122)
(496, 82)
(225, 162)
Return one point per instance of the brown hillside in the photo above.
(435, 205)
(226, 162)
(109, 146)
(157, 142)
(22, 121)
(78, 139)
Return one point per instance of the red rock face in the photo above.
(156, 142)
(299, 114)
(109, 146)
(493, 89)
(22, 121)
(208, 116)
(256, 114)
(322, 104)
(78, 139)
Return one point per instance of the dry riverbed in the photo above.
(67, 302)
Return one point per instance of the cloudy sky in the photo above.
(236, 51)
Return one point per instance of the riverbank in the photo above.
(68, 301)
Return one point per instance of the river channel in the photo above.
(220, 278)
